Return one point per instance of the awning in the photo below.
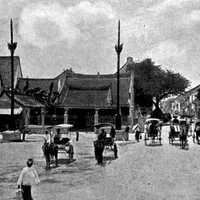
(7, 111)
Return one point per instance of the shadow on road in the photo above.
(154, 145)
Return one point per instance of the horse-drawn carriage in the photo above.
(57, 140)
(105, 139)
(178, 132)
(152, 130)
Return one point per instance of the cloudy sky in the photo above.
(56, 34)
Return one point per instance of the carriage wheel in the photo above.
(193, 138)
(160, 140)
(115, 151)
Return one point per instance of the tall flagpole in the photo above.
(118, 49)
(12, 46)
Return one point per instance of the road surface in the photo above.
(140, 173)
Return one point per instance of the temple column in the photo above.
(42, 116)
(66, 115)
(42, 113)
(96, 116)
(27, 116)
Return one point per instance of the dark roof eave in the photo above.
(91, 107)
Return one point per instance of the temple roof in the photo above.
(28, 101)
(5, 69)
(5, 101)
(94, 91)
(20, 100)
(83, 90)
(42, 83)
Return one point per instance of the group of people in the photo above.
(29, 175)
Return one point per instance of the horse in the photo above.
(50, 151)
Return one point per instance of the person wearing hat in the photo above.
(27, 178)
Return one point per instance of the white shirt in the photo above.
(48, 138)
(28, 176)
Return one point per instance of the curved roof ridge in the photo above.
(97, 76)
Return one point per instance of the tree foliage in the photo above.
(154, 83)
(198, 94)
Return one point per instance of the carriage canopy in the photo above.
(98, 126)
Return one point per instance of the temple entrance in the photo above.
(82, 119)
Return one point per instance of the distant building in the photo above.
(21, 101)
(80, 99)
(83, 100)
(185, 104)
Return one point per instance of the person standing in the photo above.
(27, 178)
(47, 137)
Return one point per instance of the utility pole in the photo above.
(118, 49)
(12, 46)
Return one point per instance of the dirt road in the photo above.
(141, 172)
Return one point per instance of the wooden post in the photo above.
(27, 116)
(66, 115)
(96, 116)
(118, 49)
(12, 46)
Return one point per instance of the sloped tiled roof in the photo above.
(20, 100)
(28, 101)
(5, 101)
(41, 83)
(92, 90)
(80, 97)
(5, 69)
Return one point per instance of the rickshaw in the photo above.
(179, 131)
(105, 139)
(60, 142)
(152, 130)
(174, 133)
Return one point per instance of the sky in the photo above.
(53, 35)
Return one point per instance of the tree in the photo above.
(198, 94)
(156, 83)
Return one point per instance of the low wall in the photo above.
(121, 135)
(11, 136)
(36, 129)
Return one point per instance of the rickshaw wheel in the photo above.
(115, 151)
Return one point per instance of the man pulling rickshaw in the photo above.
(105, 139)
(152, 130)
(178, 130)
(54, 143)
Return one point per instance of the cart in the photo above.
(105, 140)
(60, 142)
(152, 131)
